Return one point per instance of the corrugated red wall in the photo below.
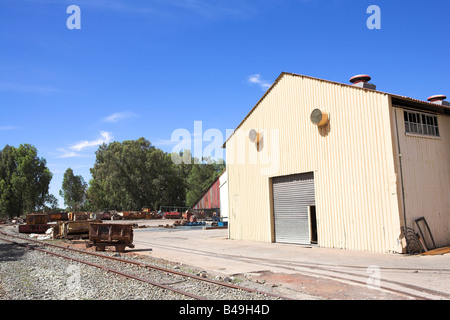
(211, 198)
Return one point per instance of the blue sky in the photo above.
(146, 68)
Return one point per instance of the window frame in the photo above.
(421, 124)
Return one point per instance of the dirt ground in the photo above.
(321, 288)
(293, 286)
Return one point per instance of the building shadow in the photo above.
(139, 250)
(324, 130)
(11, 252)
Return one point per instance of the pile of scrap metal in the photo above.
(73, 229)
(63, 216)
(135, 215)
(172, 215)
(130, 215)
(415, 243)
(183, 223)
(77, 227)
(153, 215)
(104, 215)
(15, 220)
(189, 216)
(149, 214)
(189, 219)
(77, 216)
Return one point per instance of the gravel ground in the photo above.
(33, 275)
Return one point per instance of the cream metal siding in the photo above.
(223, 180)
(426, 177)
(352, 160)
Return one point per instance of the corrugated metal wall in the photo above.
(223, 189)
(352, 161)
(426, 177)
(211, 198)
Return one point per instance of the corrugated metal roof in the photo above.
(425, 105)
(213, 184)
(210, 198)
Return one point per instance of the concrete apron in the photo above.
(212, 251)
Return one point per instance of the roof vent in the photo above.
(362, 81)
(438, 99)
(319, 117)
(255, 136)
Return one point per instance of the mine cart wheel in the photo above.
(120, 248)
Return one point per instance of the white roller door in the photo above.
(292, 195)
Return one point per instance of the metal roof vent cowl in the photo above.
(362, 81)
(439, 99)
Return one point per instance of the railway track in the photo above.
(344, 273)
(183, 284)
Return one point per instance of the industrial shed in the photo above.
(207, 205)
(341, 165)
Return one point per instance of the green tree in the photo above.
(134, 174)
(51, 205)
(73, 190)
(24, 180)
(200, 177)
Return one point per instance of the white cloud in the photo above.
(66, 154)
(73, 151)
(7, 128)
(256, 79)
(26, 88)
(105, 138)
(115, 117)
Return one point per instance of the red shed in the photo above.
(211, 198)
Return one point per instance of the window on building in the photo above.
(421, 123)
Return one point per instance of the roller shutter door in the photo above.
(291, 197)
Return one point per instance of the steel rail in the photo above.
(143, 265)
(130, 276)
(316, 268)
(310, 267)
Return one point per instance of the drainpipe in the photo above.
(401, 171)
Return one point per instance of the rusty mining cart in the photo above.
(36, 223)
(73, 229)
(102, 235)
